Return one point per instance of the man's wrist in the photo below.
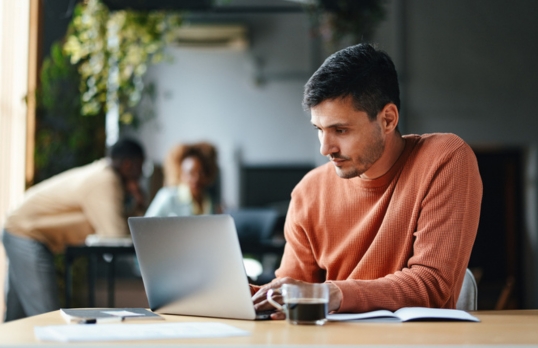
(335, 297)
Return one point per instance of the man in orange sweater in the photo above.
(391, 220)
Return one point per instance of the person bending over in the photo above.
(63, 210)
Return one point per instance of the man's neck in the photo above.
(394, 147)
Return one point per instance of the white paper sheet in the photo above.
(117, 332)
(123, 313)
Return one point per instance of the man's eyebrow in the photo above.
(334, 125)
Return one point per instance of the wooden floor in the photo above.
(128, 293)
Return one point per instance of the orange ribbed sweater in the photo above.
(400, 240)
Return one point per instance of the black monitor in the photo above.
(265, 185)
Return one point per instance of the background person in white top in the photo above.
(189, 170)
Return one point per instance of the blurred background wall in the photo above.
(466, 67)
(247, 102)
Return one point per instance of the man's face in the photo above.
(192, 174)
(348, 138)
(131, 169)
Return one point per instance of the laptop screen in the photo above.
(192, 265)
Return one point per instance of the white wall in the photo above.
(466, 66)
(211, 94)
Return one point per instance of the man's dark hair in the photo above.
(366, 74)
(126, 149)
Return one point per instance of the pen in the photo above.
(100, 320)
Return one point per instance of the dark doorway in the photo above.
(496, 259)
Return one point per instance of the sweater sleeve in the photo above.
(298, 260)
(445, 232)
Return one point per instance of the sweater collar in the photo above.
(385, 179)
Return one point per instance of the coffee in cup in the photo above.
(304, 303)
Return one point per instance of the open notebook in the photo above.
(405, 314)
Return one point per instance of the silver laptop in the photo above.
(193, 265)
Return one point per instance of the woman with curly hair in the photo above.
(189, 171)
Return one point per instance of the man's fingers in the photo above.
(263, 305)
(261, 295)
(278, 316)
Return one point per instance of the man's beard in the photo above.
(371, 155)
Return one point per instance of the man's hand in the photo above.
(133, 188)
(261, 303)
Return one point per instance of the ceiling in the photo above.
(214, 6)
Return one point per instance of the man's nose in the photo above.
(327, 145)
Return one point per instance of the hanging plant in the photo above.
(346, 22)
(63, 139)
(112, 51)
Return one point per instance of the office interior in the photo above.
(465, 67)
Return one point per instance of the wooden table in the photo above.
(496, 328)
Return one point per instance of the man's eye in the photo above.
(340, 131)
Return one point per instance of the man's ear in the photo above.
(389, 118)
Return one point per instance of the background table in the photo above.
(497, 328)
(108, 253)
